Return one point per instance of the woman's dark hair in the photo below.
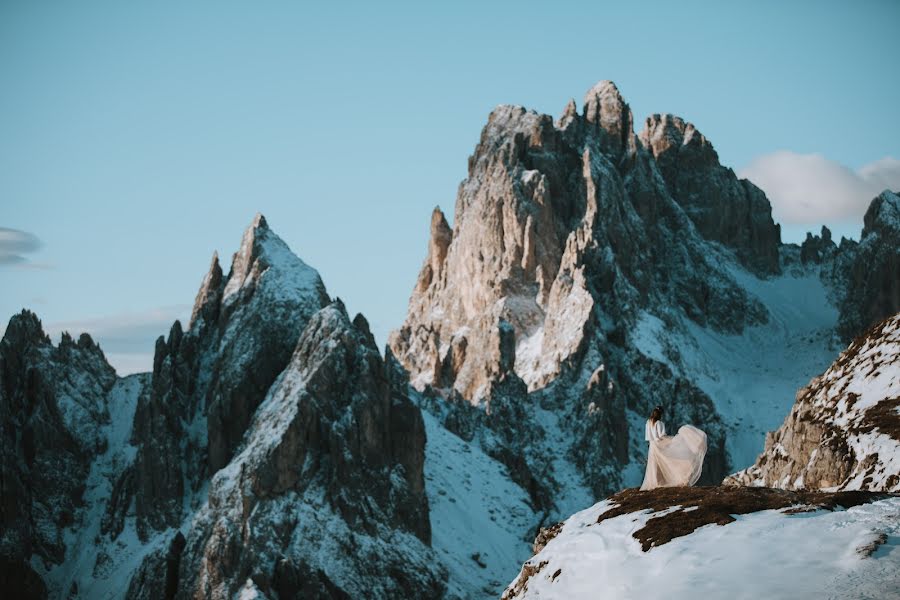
(656, 414)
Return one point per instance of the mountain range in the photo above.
(591, 273)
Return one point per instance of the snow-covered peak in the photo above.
(261, 251)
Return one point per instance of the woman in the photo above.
(672, 460)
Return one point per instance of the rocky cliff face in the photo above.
(724, 208)
(564, 234)
(873, 275)
(53, 405)
(207, 381)
(844, 430)
(331, 470)
(307, 434)
(556, 224)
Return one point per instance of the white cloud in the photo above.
(127, 339)
(126, 364)
(810, 190)
(15, 244)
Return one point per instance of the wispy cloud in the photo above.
(15, 244)
(809, 189)
(127, 339)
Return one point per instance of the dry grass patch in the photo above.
(701, 506)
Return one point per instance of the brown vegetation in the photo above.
(701, 506)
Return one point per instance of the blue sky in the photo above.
(137, 138)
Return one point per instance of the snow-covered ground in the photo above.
(109, 577)
(765, 554)
(481, 522)
(752, 378)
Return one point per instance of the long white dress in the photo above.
(673, 460)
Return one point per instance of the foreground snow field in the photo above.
(775, 553)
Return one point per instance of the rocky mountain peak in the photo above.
(333, 455)
(439, 242)
(665, 133)
(550, 219)
(607, 111)
(818, 248)
(24, 329)
(569, 114)
(725, 209)
(883, 214)
(872, 283)
(53, 408)
(245, 262)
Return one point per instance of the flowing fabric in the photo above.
(675, 460)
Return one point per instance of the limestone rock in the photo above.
(723, 208)
(563, 234)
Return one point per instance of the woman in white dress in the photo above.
(672, 459)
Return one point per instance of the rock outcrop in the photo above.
(330, 471)
(723, 208)
(207, 381)
(53, 404)
(873, 275)
(844, 430)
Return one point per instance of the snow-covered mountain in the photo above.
(813, 503)
(603, 272)
(273, 452)
(57, 404)
(843, 433)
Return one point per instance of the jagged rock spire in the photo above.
(607, 111)
(439, 242)
(206, 304)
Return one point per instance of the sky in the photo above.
(137, 138)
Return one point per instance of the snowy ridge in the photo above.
(764, 554)
(265, 257)
(844, 430)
